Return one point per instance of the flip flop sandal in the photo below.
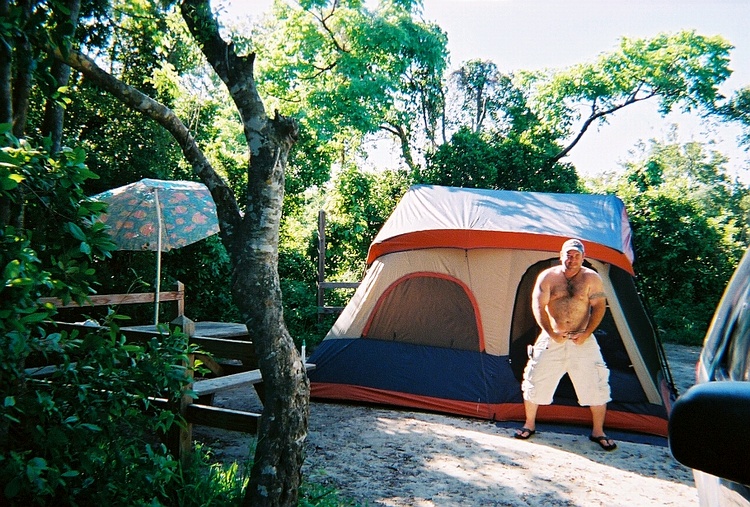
(602, 441)
(524, 431)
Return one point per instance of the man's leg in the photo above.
(529, 427)
(598, 413)
(590, 377)
(543, 372)
(530, 409)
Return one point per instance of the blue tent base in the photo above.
(460, 382)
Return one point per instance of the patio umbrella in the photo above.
(159, 215)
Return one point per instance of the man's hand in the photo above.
(577, 337)
(559, 337)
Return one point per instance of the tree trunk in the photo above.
(6, 100)
(403, 138)
(282, 432)
(16, 69)
(54, 114)
(252, 243)
(6, 53)
(22, 79)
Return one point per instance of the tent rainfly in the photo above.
(442, 318)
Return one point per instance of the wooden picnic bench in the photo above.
(202, 412)
(225, 341)
(206, 388)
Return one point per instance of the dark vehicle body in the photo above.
(709, 426)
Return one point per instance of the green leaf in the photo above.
(12, 269)
(10, 181)
(13, 488)
(35, 467)
(34, 318)
(76, 231)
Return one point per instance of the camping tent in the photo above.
(442, 318)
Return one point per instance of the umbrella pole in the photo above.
(158, 257)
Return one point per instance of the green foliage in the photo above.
(89, 431)
(206, 269)
(672, 230)
(309, 164)
(298, 269)
(469, 160)
(150, 43)
(207, 483)
(683, 70)
(298, 273)
(357, 207)
(688, 232)
(737, 108)
(484, 99)
(144, 44)
(47, 192)
(356, 204)
(346, 71)
(86, 434)
(477, 160)
(124, 146)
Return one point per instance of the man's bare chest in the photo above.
(569, 290)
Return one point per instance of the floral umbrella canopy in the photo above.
(159, 215)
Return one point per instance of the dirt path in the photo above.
(387, 457)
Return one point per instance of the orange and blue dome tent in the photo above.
(442, 318)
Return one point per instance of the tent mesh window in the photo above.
(426, 310)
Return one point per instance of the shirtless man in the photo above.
(568, 304)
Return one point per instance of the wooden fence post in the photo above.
(322, 284)
(180, 437)
(321, 261)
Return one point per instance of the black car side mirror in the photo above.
(708, 429)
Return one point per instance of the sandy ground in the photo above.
(381, 456)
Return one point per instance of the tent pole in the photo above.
(158, 257)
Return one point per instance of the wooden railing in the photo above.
(322, 284)
(125, 299)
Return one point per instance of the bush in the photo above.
(89, 433)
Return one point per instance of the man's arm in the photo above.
(598, 302)
(539, 301)
(598, 308)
